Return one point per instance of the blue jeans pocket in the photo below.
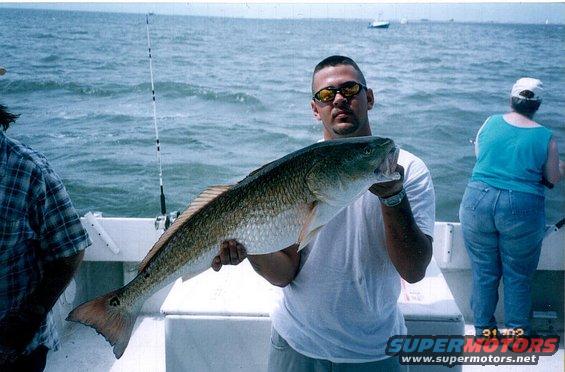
(523, 203)
(474, 193)
(277, 341)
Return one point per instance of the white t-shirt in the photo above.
(342, 305)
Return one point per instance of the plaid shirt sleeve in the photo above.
(54, 218)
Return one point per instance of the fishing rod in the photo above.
(554, 228)
(164, 220)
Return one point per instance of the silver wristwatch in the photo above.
(394, 200)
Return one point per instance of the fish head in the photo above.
(370, 158)
(350, 166)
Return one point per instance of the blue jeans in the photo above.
(503, 231)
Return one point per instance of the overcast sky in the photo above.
(460, 12)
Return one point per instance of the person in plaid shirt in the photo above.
(42, 243)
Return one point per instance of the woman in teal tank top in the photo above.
(502, 212)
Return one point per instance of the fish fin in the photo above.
(198, 203)
(204, 198)
(309, 237)
(313, 223)
(307, 222)
(109, 317)
(319, 216)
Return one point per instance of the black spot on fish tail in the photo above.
(115, 301)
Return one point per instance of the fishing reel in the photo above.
(162, 222)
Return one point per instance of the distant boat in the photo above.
(379, 24)
(546, 21)
(403, 21)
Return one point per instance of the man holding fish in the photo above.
(313, 228)
(340, 291)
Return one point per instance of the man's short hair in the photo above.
(6, 118)
(525, 107)
(337, 60)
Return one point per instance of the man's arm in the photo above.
(279, 268)
(409, 249)
(56, 276)
(20, 326)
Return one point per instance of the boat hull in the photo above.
(379, 25)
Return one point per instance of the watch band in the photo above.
(394, 200)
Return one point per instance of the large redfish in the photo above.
(280, 204)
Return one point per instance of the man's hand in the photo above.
(279, 268)
(18, 328)
(388, 189)
(231, 253)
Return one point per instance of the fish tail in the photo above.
(110, 317)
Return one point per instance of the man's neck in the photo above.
(365, 131)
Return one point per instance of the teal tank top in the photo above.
(510, 157)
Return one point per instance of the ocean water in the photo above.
(233, 94)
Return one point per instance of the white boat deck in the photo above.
(84, 350)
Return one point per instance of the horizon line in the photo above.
(155, 13)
